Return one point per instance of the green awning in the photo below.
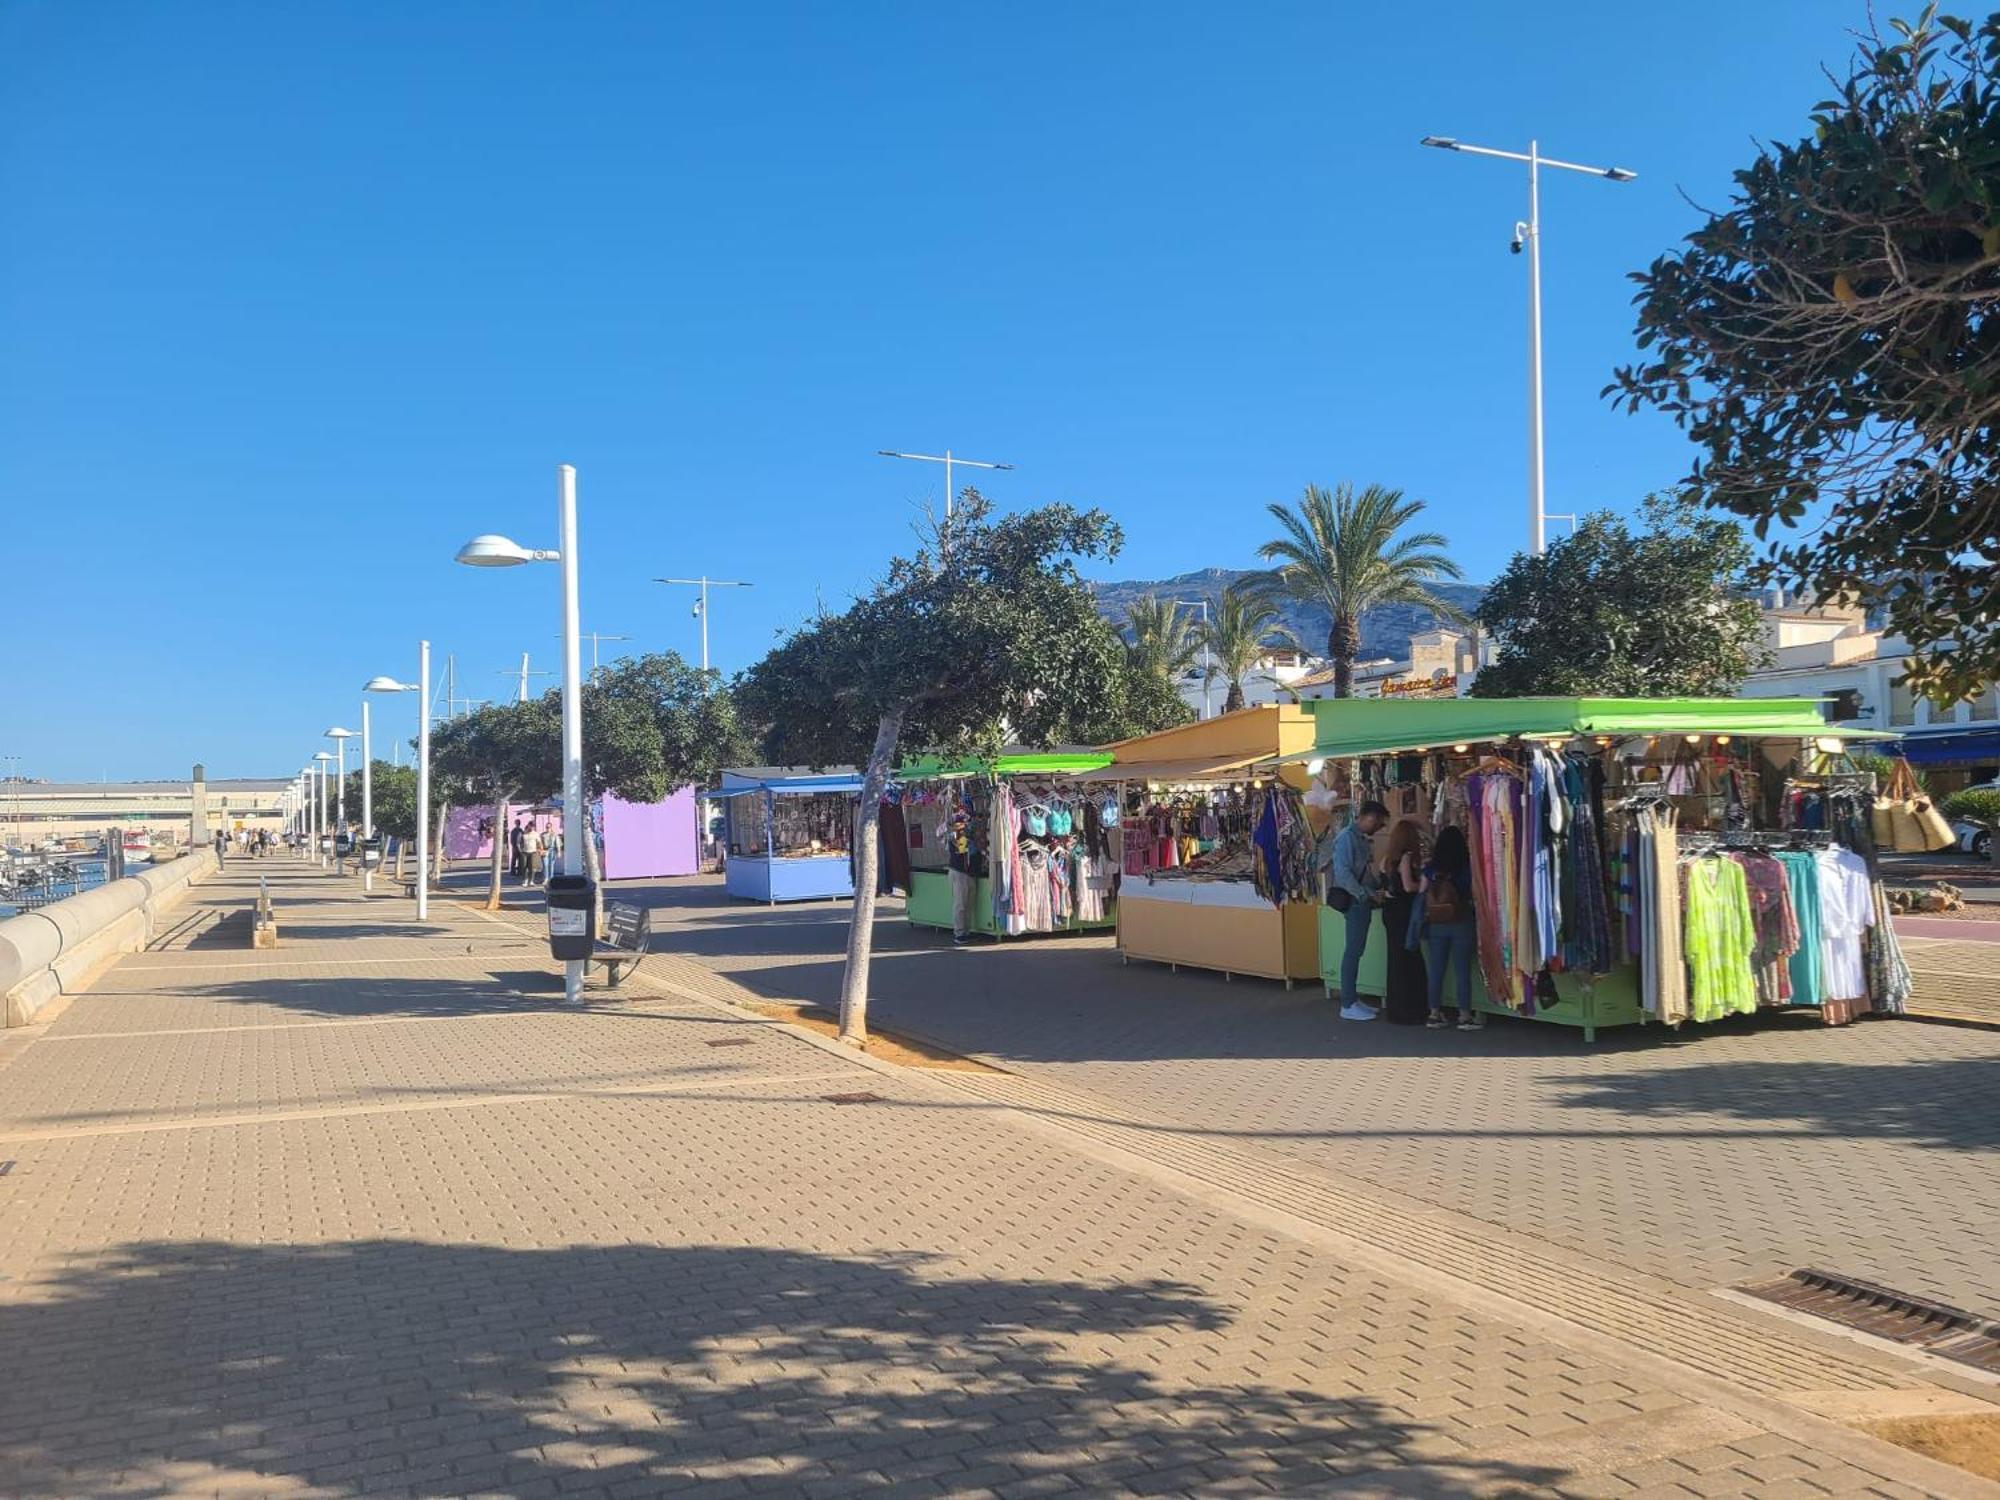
(1007, 763)
(1347, 727)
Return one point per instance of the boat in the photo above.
(138, 846)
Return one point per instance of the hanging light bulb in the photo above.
(1459, 750)
(1722, 739)
(1694, 739)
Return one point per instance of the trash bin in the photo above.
(326, 843)
(570, 899)
(371, 853)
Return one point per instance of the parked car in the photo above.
(1974, 837)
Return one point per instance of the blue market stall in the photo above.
(788, 832)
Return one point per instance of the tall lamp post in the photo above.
(489, 551)
(1528, 236)
(340, 737)
(319, 808)
(390, 685)
(1206, 707)
(947, 458)
(701, 604)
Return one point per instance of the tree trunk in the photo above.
(499, 853)
(402, 848)
(861, 930)
(1343, 644)
(436, 872)
(1234, 700)
(593, 865)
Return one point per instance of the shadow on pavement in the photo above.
(391, 1365)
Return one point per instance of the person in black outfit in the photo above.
(1408, 1000)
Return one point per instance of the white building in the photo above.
(1441, 664)
(1831, 653)
(1271, 680)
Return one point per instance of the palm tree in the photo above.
(1244, 627)
(1341, 550)
(1163, 639)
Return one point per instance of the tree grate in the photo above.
(1949, 1332)
(729, 1041)
(857, 1098)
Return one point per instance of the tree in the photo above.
(1164, 641)
(653, 724)
(496, 755)
(1830, 342)
(1605, 613)
(986, 633)
(1244, 627)
(1342, 550)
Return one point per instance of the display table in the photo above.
(805, 877)
(930, 906)
(1216, 924)
(1589, 1001)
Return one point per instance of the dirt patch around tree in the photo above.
(1971, 1443)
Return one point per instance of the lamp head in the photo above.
(490, 551)
(323, 755)
(1442, 142)
(387, 685)
(339, 734)
(1620, 174)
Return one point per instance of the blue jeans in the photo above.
(1360, 919)
(1455, 942)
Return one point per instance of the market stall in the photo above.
(1043, 850)
(643, 840)
(1631, 860)
(787, 831)
(1216, 849)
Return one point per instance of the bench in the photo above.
(628, 935)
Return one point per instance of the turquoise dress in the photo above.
(1802, 876)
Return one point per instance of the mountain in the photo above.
(1384, 632)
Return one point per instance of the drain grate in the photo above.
(729, 1041)
(1950, 1332)
(6, 1167)
(860, 1098)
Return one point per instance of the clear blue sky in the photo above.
(294, 298)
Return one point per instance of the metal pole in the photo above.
(572, 709)
(1537, 511)
(947, 484)
(319, 812)
(367, 797)
(340, 805)
(704, 622)
(1207, 674)
(424, 781)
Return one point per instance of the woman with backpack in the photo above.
(1450, 933)
(1402, 861)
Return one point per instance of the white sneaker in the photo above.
(1357, 1012)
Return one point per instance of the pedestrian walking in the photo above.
(1355, 894)
(516, 839)
(531, 855)
(221, 842)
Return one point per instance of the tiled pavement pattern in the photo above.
(1955, 980)
(1732, 1154)
(371, 1215)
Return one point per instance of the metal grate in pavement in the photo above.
(862, 1097)
(1950, 1332)
(729, 1041)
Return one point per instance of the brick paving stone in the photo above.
(378, 1217)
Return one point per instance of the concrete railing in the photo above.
(49, 954)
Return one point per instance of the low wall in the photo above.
(49, 954)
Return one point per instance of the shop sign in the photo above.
(1441, 685)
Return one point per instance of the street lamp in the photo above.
(490, 551)
(340, 737)
(1528, 235)
(701, 604)
(422, 686)
(947, 458)
(1206, 710)
(319, 807)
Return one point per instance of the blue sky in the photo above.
(293, 299)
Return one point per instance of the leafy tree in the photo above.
(1830, 343)
(1164, 640)
(1137, 701)
(986, 633)
(1244, 627)
(1342, 549)
(653, 724)
(497, 755)
(1660, 614)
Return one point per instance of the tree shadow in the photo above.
(390, 1366)
(1942, 1104)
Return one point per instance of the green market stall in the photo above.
(1700, 778)
(1022, 808)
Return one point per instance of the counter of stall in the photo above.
(1216, 846)
(1601, 862)
(787, 832)
(1006, 845)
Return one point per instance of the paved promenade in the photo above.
(375, 1214)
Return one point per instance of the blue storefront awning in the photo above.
(1951, 745)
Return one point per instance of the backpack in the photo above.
(1444, 904)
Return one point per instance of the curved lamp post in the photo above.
(340, 737)
(390, 685)
(320, 758)
(491, 551)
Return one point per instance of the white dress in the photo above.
(1846, 911)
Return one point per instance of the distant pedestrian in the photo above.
(516, 837)
(531, 856)
(221, 847)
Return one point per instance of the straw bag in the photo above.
(1915, 825)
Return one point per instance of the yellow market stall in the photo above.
(1216, 855)
(1632, 860)
(1042, 851)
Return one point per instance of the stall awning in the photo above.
(1007, 763)
(1351, 727)
(1205, 769)
(787, 781)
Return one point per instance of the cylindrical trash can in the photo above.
(371, 853)
(570, 899)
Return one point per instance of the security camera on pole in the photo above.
(1528, 237)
